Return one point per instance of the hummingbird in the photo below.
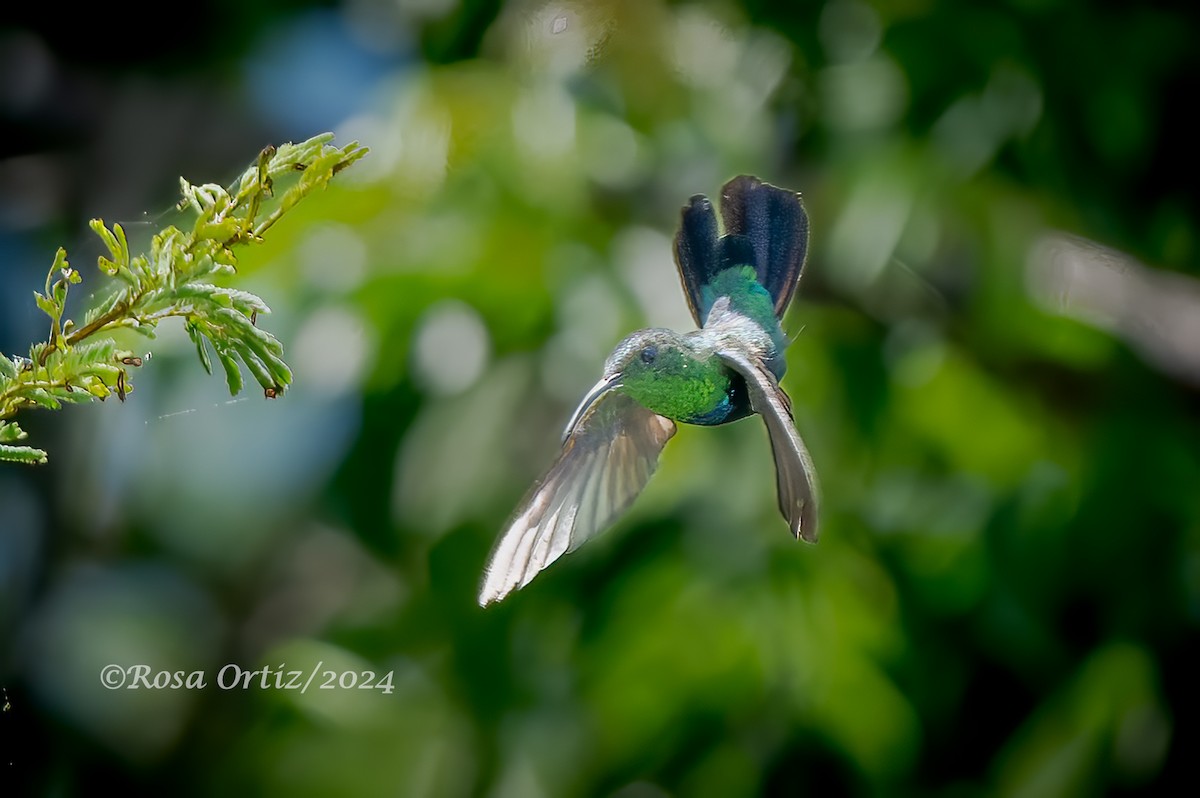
(737, 283)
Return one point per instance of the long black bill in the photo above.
(599, 389)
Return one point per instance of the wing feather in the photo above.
(606, 461)
(796, 479)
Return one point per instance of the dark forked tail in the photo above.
(765, 227)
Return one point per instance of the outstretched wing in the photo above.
(607, 459)
(794, 473)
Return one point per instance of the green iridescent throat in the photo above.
(677, 385)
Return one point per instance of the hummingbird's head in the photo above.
(647, 355)
(664, 372)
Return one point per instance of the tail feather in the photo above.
(735, 250)
(765, 227)
(775, 222)
(697, 252)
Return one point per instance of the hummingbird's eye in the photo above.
(649, 353)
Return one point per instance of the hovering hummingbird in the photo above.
(738, 286)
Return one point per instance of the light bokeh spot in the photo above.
(452, 348)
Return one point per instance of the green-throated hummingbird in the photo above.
(738, 286)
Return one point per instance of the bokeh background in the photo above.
(996, 367)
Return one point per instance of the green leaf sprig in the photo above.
(81, 363)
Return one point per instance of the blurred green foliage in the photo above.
(1006, 595)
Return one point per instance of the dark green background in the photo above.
(1006, 596)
